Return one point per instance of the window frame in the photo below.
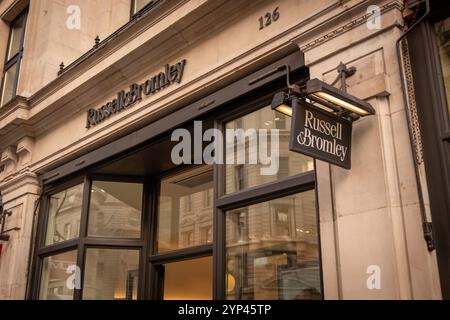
(151, 273)
(155, 260)
(239, 98)
(225, 202)
(84, 242)
(16, 59)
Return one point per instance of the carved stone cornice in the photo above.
(13, 114)
(8, 160)
(362, 19)
(25, 147)
(21, 183)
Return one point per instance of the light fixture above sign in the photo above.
(322, 117)
(327, 95)
(281, 103)
(319, 93)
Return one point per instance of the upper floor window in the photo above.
(138, 5)
(12, 60)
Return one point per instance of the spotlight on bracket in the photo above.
(282, 104)
(329, 96)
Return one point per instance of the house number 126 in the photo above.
(266, 20)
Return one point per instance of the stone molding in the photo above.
(16, 113)
(286, 36)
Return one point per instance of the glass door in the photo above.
(182, 253)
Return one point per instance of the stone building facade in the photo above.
(368, 217)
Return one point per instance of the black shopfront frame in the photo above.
(435, 131)
(248, 94)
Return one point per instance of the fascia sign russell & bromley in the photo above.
(171, 74)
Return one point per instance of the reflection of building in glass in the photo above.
(111, 274)
(64, 217)
(272, 247)
(240, 176)
(54, 282)
(272, 250)
(115, 209)
(185, 209)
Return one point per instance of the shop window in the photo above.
(275, 268)
(187, 232)
(442, 29)
(243, 176)
(54, 276)
(177, 202)
(100, 219)
(115, 209)
(266, 231)
(64, 211)
(111, 274)
(13, 57)
(197, 286)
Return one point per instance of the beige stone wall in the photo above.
(369, 215)
(49, 41)
(19, 196)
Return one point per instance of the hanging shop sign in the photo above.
(126, 99)
(321, 135)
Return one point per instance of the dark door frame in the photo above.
(435, 130)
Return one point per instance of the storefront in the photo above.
(148, 223)
(106, 212)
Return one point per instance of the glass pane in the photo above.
(56, 278)
(273, 251)
(115, 209)
(139, 4)
(185, 210)
(196, 286)
(242, 176)
(17, 29)
(443, 37)
(111, 274)
(8, 84)
(64, 215)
